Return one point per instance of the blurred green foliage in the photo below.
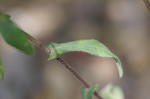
(108, 92)
(1, 70)
(112, 92)
(13, 35)
(87, 93)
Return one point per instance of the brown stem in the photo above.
(61, 61)
(38, 44)
(147, 3)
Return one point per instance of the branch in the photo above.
(147, 3)
(61, 61)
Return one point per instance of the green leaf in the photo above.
(13, 35)
(1, 70)
(112, 92)
(91, 91)
(87, 93)
(84, 92)
(92, 47)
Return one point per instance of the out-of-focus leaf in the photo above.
(84, 92)
(13, 35)
(1, 70)
(91, 91)
(87, 93)
(92, 47)
(112, 92)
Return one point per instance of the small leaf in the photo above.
(92, 47)
(13, 35)
(92, 90)
(1, 70)
(87, 93)
(84, 92)
(112, 92)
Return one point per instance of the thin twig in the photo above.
(147, 3)
(38, 44)
(61, 61)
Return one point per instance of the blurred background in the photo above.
(122, 25)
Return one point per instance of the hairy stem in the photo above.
(61, 61)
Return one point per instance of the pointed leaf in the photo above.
(84, 92)
(92, 47)
(13, 35)
(1, 70)
(88, 93)
(92, 90)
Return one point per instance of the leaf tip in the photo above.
(119, 66)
